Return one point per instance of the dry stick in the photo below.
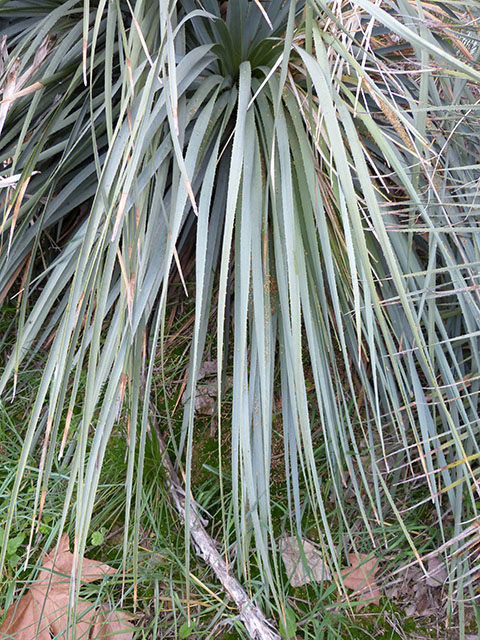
(254, 620)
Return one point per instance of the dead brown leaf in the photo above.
(360, 577)
(437, 573)
(23, 621)
(297, 572)
(206, 393)
(44, 609)
(112, 623)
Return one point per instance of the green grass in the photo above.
(162, 601)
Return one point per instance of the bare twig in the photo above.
(254, 620)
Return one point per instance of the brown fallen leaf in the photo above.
(44, 609)
(52, 608)
(360, 577)
(57, 566)
(23, 621)
(437, 573)
(112, 624)
(292, 557)
(206, 393)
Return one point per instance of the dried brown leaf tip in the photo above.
(3, 52)
(44, 610)
(12, 89)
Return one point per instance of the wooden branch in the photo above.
(258, 627)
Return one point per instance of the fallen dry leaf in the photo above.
(206, 393)
(23, 621)
(205, 398)
(44, 609)
(360, 577)
(61, 562)
(297, 572)
(112, 623)
(437, 573)
(414, 595)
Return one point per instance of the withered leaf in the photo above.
(360, 577)
(437, 573)
(297, 572)
(58, 566)
(44, 610)
(110, 624)
(206, 393)
(24, 621)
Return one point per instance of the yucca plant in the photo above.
(321, 159)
